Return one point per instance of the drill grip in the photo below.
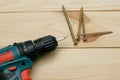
(16, 70)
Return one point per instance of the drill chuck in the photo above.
(37, 47)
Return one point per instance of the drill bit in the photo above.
(62, 38)
(69, 25)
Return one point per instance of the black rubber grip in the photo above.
(45, 44)
(37, 47)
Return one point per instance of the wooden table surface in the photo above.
(22, 20)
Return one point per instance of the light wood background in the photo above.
(22, 20)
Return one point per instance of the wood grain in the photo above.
(55, 5)
(22, 20)
(78, 64)
(16, 27)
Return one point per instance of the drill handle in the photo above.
(16, 70)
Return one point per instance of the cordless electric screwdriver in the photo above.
(16, 60)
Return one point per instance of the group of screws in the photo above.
(85, 36)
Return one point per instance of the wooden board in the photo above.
(78, 64)
(22, 20)
(55, 5)
(16, 27)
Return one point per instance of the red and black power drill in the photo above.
(16, 60)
